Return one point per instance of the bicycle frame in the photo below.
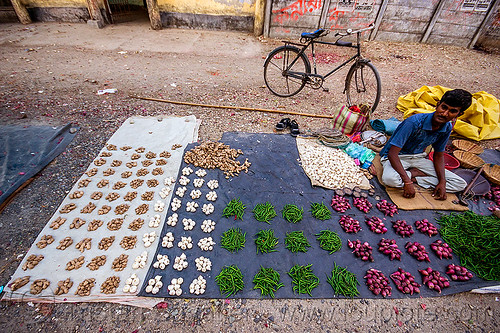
(288, 76)
(311, 43)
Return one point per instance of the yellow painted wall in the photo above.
(211, 7)
(55, 3)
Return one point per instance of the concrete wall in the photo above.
(290, 18)
(209, 7)
(8, 15)
(59, 14)
(203, 14)
(55, 3)
(406, 20)
(208, 14)
(455, 26)
(430, 21)
(491, 36)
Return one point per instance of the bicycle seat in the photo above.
(312, 35)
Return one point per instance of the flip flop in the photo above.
(282, 124)
(294, 128)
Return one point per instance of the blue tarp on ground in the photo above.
(25, 150)
(276, 176)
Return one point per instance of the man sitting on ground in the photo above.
(404, 159)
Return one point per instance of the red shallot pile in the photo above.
(442, 249)
(387, 208)
(458, 273)
(494, 195)
(405, 282)
(376, 225)
(434, 280)
(362, 204)
(378, 283)
(349, 224)
(425, 227)
(418, 251)
(340, 204)
(361, 250)
(390, 248)
(402, 228)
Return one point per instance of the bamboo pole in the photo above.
(258, 23)
(234, 107)
(21, 12)
(154, 14)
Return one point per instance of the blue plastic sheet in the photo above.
(387, 126)
(25, 150)
(276, 176)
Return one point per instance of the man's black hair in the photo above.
(457, 98)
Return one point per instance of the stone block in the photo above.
(95, 24)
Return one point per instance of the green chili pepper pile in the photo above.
(292, 213)
(476, 240)
(329, 240)
(303, 279)
(234, 208)
(265, 241)
(268, 281)
(230, 280)
(264, 212)
(295, 241)
(233, 240)
(320, 211)
(343, 282)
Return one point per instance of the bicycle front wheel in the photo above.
(362, 85)
(284, 71)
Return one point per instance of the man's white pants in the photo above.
(390, 177)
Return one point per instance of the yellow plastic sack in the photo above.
(481, 121)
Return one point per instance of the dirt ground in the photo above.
(50, 74)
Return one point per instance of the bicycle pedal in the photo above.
(326, 90)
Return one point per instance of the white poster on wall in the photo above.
(468, 5)
(482, 5)
(346, 5)
(364, 6)
(475, 5)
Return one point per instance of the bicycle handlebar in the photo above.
(351, 32)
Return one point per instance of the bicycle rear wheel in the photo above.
(362, 85)
(284, 71)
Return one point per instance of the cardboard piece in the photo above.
(423, 198)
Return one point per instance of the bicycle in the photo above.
(287, 69)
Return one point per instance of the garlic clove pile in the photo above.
(213, 184)
(131, 284)
(172, 219)
(203, 264)
(208, 226)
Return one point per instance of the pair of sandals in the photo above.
(285, 123)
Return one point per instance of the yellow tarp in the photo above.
(481, 121)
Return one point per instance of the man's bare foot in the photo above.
(416, 173)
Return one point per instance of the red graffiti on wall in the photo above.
(334, 15)
(296, 9)
(496, 21)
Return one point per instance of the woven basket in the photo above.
(467, 146)
(468, 160)
(492, 173)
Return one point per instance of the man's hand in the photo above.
(408, 190)
(393, 156)
(440, 191)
